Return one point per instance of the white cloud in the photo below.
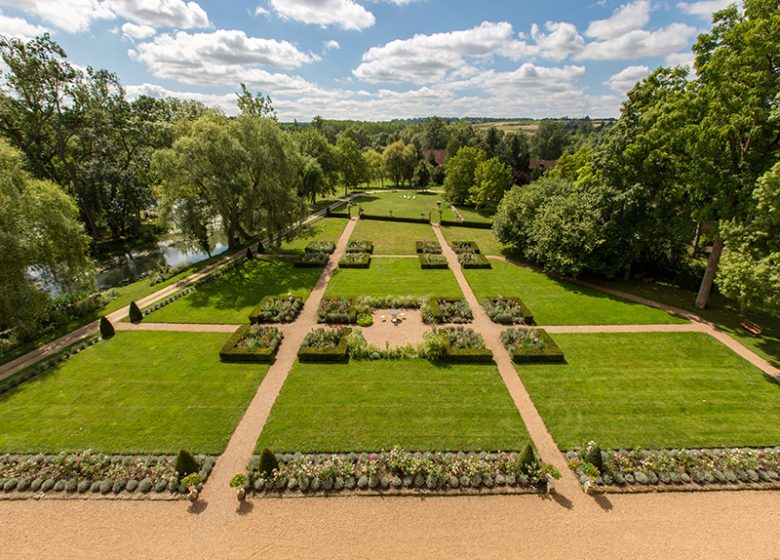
(19, 28)
(342, 13)
(680, 59)
(561, 41)
(137, 32)
(260, 11)
(161, 13)
(704, 8)
(226, 102)
(640, 44)
(71, 15)
(627, 17)
(331, 45)
(624, 80)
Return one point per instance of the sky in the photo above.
(376, 59)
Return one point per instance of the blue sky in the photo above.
(377, 59)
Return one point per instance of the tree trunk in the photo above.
(696, 239)
(703, 298)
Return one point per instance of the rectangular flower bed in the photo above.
(432, 261)
(337, 311)
(320, 247)
(252, 344)
(531, 346)
(508, 311)
(360, 247)
(325, 345)
(460, 345)
(473, 260)
(440, 311)
(276, 310)
(355, 260)
(464, 247)
(429, 247)
(312, 260)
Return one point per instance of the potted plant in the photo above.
(192, 482)
(239, 483)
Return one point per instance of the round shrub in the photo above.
(259, 484)
(685, 478)
(511, 480)
(95, 488)
(763, 476)
(83, 486)
(397, 482)
(641, 478)
(160, 486)
(71, 485)
(373, 482)
(281, 483)
(327, 484)
(349, 483)
(385, 482)
(316, 485)
(145, 486)
(292, 484)
(48, 484)
(362, 482)
(132, 485)
(500, 480)
(106, 486)
(24, 485)
(119, 485)
(10, 484)
(773, 475)
(730, 476)
(464, 481)
(408, 481)
(339, 484)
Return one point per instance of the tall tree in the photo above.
(491, 180)
(514, 151)
(460, 174)
(255, 105)
(399, 160)
(460, 134)
(434, 134)
(376, 169)
(550, 140)
(354, 168)
(492, 141)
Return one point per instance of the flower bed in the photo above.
(94, 473)
(473, 260)
(326, 247)
(531, 345)
(428, 247)
(360, 247)
(441, 311)
(277, 310)
(355, 260)
(461, 247)
(402, 472)
(337, 311)
(675, 469)
(325, 345)
(311, 260)
(432, 261)
(508, 311)
(252, 344)
(456, 345)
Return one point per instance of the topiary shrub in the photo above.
(527, 458)
(135, 313)
(106, 328)
(594, 458)
(268, 463)
(185, 464)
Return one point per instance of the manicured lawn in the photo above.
(654, 390)
(406, 204)
(140, 392)
(393, 238)
(555, 302)
(374, 405)
(230, 299)
(394, 277)
(326, 229)
(722, 312)
(487, 242)
(469, 214)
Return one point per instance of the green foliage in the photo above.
(106, 328)
(514, 151)
(461, 170)
(399, 162)
(136, 316)
(186, 464)
(239, 480)
(550, 140)
(268, 463)
(255, 105)
(353, 166)
(423, 174)
(594, 457)
(527, 458)
(491, 180)
(434, 133)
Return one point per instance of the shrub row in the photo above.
(252, 344)
(96, 473)
(432, 261)
(355, 260)
(461, 247)
(466, 224)
(276, 310)
(473, 260)
(531, 346)
(320, 247)
(400, 471)
(311, 260)
(508, 311)
(319, 347)
(360, 247)
(430, 247)
(402, 219)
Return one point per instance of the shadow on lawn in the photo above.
(247, 285)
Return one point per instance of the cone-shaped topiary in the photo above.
(527, 457)
(268, 463)
(594, 458)
(135, 313)
(186, 464)
(106, 328)
(249, 255)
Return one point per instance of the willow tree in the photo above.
(242, 173)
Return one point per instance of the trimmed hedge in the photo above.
(339, 353)
(348, 318)
(465, 247)
(431, 261)
(467, 224)
(468, 356)
(473, 260)
(551, 353)
(526, 316)
(232, 354)
(401, 219)
(355, 260)
(311, 260)
(358, 246)
(320, 247)
(430, 247)
(259, 315)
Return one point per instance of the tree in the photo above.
(434, 133)
(460, 174)
(399, 160)
(491, 180)
(550, 140)
(244, 172)
(514, 152)
(313, 181)
(376, 169)
(492, 141)
(354, 168)
(314, 144)
(461, 134)
(255, 105)
(40, 233)
(423, 173)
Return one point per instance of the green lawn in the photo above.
(140, 392)
(487, 242)
(722, 312)
(406, 204)
(374, 405)
(394, 277)
(469, 214)
(555, 302)
(326, 229)
(393, 238)
(229, 299)
(654, 390)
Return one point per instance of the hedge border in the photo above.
(352, 311)
(468, 356)
(528, 316)
(231, 354)
(300, 263)
(338, 354)
(310, 250)
(369, 250)
(400, 219)
(420, 251)
(549, 355)
(365, 261)
(253, 318)
(431, 266)
(467, 224)
(434, 307)
(483, 263)
(473, 247)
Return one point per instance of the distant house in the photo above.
(544, 164)
(440, 155)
